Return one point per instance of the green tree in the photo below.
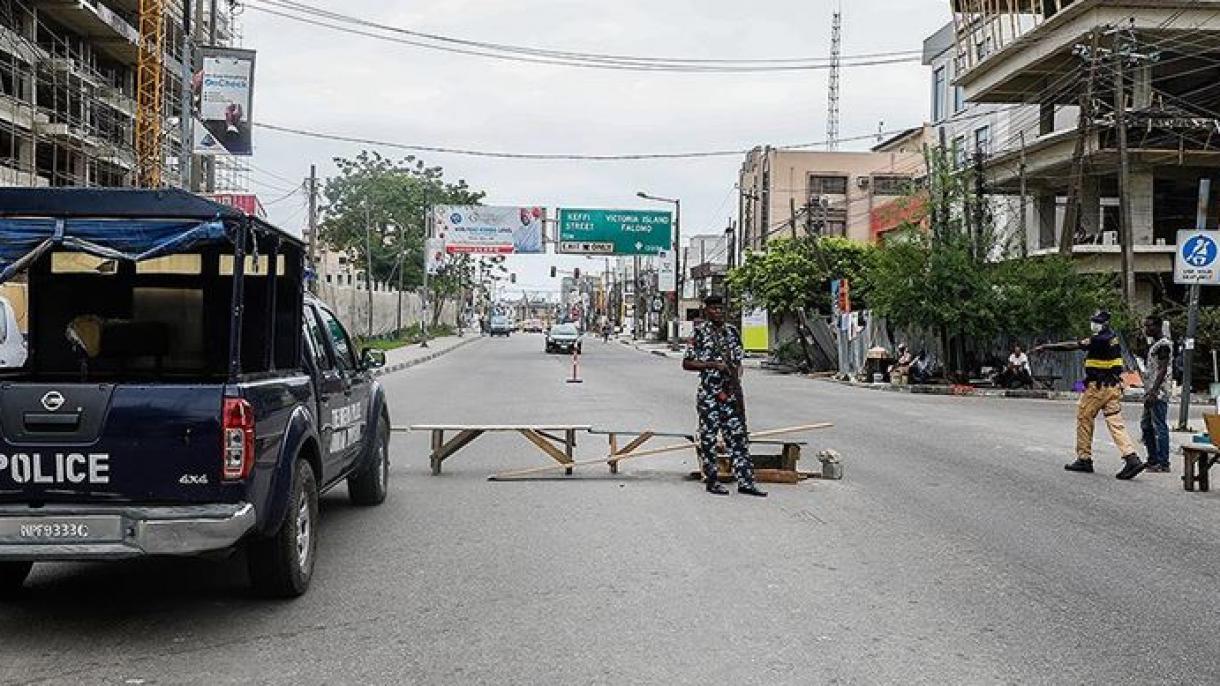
(960, 277)
(795, 274)
(381, 202)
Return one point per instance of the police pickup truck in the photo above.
(181, 394)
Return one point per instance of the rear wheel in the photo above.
(370, 484)
(282, 565)
(12, 577)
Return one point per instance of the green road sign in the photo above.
(614, 232)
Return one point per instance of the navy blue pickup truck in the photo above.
(182, 393)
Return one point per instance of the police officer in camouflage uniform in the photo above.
(716, 353)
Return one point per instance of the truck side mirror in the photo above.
(371, 358)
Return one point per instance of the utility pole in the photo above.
(368, 264)
(401, 249)
(209, 163)
(1192, 314)
(1024, 203)
(313, 223)
(832, 104)
(1126, 237)
(423, 322)
(187, 116)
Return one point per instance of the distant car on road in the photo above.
(563, 338)
(501, 326)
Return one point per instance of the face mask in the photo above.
(1095, 327)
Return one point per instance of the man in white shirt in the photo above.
(1018, 373)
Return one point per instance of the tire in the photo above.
(282, 565)
(369, 485)
(12, 578)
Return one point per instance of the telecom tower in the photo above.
(832, 107)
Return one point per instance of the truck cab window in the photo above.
(345, 356)
(315, 344)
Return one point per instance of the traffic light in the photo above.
(576, 273)
(552, 272)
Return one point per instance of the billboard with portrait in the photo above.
(489, 230)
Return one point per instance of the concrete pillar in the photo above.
(1140, 201)
(1090, 205)
(1044, 204)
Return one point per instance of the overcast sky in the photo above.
(313, 78)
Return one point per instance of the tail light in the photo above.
(237, 438)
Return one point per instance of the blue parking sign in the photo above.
(1196, 259)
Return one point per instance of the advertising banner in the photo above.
(667, 281)
(224, 102)
(755, 330)
(614, 232)
(490, 230)
(435, 255)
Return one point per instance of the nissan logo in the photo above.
(53, 400)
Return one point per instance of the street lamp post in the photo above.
(677, 250)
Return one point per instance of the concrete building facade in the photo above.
(68, 91)
(1035, 54)
(787, 193)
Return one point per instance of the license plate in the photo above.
(91, 529)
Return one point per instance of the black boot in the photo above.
(751, 490)
(1080, 465)
(715, 488)
(1131, 469)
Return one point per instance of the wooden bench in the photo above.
(543, 436)
(1198, 458)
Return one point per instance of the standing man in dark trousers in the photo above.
(1154, 423)
(716, 353)
(1103, 368)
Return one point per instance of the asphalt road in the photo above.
(956, 550)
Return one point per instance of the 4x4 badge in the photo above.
(53, 400)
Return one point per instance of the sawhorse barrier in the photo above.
(544, 437)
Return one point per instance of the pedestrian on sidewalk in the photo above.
(716, 353)
(1154, 423)
(1103, 368)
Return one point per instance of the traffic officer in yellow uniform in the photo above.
(1103, 368)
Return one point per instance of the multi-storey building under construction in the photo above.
(69, 89)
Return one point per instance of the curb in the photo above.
(390, 369)
(970, 392)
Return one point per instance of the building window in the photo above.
(938, 94)
(982, 140)
(959, 151)
(959, 99)
(827, 185)
(891, 185)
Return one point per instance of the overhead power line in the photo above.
(583, 157)
(315, 16)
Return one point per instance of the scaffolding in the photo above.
(77, 85)
(150, 89)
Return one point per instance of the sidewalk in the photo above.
(408, 356)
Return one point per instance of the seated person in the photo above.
(1017, 373)
(902, 368)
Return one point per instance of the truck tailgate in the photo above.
(110, 443)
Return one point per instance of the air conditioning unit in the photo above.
(1109, 238)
